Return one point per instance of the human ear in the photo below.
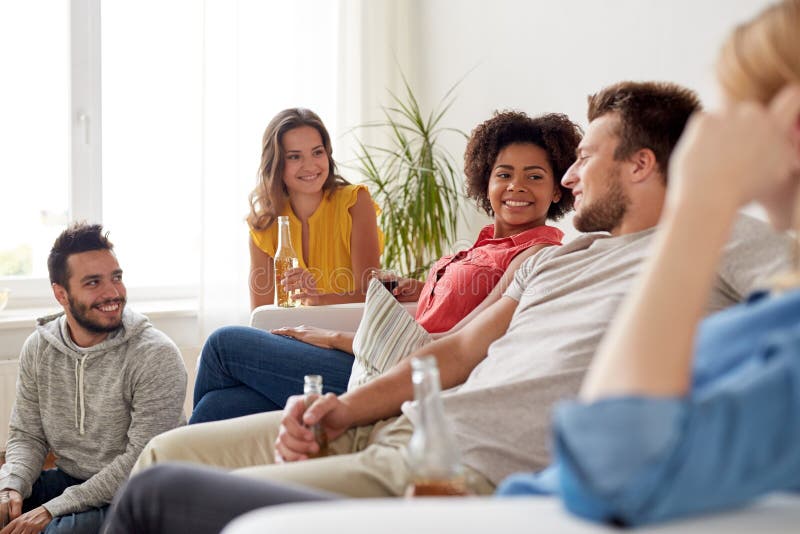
(644, 163)
(60, 293)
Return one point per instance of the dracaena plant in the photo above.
(415, 180)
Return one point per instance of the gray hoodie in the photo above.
(95, 407)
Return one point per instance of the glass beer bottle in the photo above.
(435, 461)
(312, 388)
(285, 260)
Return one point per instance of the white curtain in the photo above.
(337, 58)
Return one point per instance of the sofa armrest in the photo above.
(342, 317)
(776, 514)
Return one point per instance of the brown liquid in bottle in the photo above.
(321, 437)
(437, 488)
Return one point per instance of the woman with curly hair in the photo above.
(513, 164)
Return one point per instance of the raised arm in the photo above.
(722, 162)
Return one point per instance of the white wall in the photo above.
(546, 56)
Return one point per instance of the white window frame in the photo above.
(85, 168)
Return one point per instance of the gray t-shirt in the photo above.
(567, 297)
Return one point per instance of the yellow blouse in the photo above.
(329, 230)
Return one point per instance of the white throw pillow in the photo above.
(385, 335)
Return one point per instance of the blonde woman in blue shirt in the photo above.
(679, 416)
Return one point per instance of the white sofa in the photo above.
(777, 514)
(343, 317)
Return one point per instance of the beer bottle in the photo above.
(285, 259)
(312, 388)
(434, 460)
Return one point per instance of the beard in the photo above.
(80, 312)
(605, 213)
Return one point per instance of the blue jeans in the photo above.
(244, 370)
(51, 484)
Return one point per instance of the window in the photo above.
(34, 134)
(183, 90)
(152, 102)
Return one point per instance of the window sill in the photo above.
(14, 318)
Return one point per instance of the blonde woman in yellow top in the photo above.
(297, 178)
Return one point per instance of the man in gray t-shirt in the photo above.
(511, 362)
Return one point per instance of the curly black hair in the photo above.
(553, 132)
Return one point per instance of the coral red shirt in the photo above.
(457, 283)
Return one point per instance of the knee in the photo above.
(155, 482)
(216, 345)
(136, 507)
(159, 449)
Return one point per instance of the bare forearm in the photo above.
(456, 356)
(383, 397)
(648, 348)
(343, 341)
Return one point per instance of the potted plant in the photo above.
(415, 180)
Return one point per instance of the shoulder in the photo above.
(152, 350)
(264, 239)
(751, 232)
(544, 234)
(32, 347)
(347, 196)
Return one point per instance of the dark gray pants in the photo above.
(173, 498)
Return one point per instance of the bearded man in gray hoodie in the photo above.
(95, 383)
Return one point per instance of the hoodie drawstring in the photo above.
(79, 396)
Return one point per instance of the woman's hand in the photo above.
(403, 289)
(302, 286)
(747, 152)
(318, 337)
(407, 289)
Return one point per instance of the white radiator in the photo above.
(8, 381)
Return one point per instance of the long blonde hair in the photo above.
(270, 194)
(762, 55)
(758, 59)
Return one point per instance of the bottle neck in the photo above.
(284, 237)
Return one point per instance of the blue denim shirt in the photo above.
(734, 437)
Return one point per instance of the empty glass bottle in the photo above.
(435, 461)
(285, 259)
(312, 388)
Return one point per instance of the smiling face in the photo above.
(521, 188)
(306, 164)
(95, 296)
(596, 179)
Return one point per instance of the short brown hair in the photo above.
(78, 237)
(554, 133)
(651, 115)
